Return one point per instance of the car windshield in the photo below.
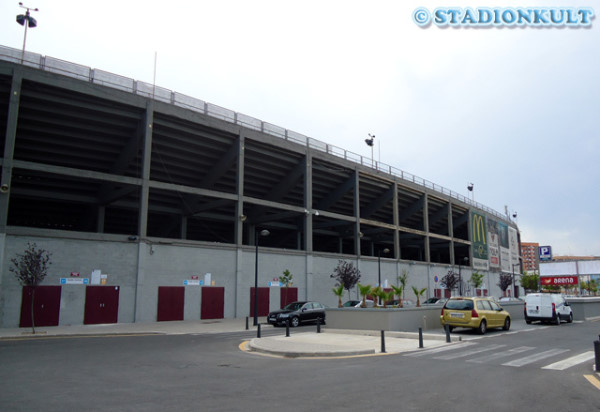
(351, 303)
(294, 306)
(459, 304)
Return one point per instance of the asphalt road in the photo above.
(502, 371)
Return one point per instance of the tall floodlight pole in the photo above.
(371, 142)
(27, 21)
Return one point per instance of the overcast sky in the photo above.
(515, 111)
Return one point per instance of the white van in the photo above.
(547, 307)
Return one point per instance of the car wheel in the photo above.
(482, 327)
(528, 321)
(570, 320)
(506, 324)
(295, 322)
(557, 319)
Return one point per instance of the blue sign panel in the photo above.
(545, 253)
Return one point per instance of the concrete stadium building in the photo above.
(151, 202)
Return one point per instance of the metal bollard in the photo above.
(597, 354)
(287, 328)
(318, 325)
(448, 333)
(382, 342)
(246, 322)
(420, 337)
(258, 331)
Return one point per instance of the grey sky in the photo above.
(513, 110)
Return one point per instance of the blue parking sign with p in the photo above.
(545, 253)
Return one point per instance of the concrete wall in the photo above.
(139, 268)
(585, 308)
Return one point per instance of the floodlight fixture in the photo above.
(26, 21)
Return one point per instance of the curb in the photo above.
(252, 347)
(391, 334)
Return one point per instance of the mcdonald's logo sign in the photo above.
(479, 232)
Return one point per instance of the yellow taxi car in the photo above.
(474, 312)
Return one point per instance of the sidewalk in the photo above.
(330, 342)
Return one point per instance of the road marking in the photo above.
(593, 380)
(499, 355)
(572, 361)
(440, 349)
(534, 358)
(469, 352)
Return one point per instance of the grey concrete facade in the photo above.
(152, 193)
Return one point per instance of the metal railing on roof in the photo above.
(115, 81)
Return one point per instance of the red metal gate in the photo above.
(171, 301)
(288, 295)
(263, 301)
(213, 303)
(101, 305)
(46, 306)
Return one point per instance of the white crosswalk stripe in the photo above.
(534, 358)
(572, 361)
(469, 352)
(469, 349)
(500, 355)
(439, 349)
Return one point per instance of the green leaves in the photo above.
(31, 267)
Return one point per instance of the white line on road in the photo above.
(534, 358)
(572, 361)
(469, 352)
(440, 349)
(499, 355)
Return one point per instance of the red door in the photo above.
(46, 306)
(263, 301)
(170, 303)
(213, 303)
(101, 305)
(288, 295)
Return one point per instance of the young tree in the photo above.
(339, 292)
(418, 293)
(530, 282)
(505, 282)
(286, 280)
(450, 281)
(364, 291)
(345, 273)
(402, 280)
(476, 280)
(398, 291)
(30, 269)
(376, 295)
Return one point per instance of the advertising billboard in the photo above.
(504, 249)
(559, 280)
(513, 242)
(493, 243)
(479, 241)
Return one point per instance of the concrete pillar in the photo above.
(147, 157)
(9, 146)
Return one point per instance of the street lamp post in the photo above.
(27, 21)
(386, 251)
(256, 234)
